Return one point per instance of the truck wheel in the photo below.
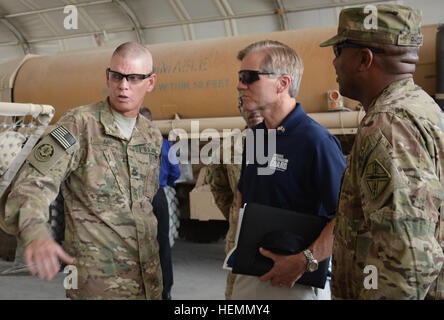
(173, 210)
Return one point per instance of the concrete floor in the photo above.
(198, 275)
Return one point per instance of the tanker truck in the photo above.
(196, 81)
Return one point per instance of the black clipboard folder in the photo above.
(281, 231)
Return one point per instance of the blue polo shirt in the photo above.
(169, 172)
(308, 165)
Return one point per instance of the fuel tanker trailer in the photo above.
(196, 89)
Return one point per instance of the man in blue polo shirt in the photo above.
(303, 173)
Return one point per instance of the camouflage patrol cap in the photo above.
(387, 24)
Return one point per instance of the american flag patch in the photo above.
(62, 136)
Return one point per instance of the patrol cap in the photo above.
(388, 24)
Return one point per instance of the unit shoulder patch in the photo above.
(376, 178)
(44, 152)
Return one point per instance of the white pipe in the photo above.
(23, 109)
(334, 121)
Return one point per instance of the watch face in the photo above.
(312, 266)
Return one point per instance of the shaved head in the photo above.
(134, 50)
(126, 95)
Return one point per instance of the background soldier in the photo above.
(106, 159)
(223, 179)
(391, 201)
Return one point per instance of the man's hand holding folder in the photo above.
(270, 244)
(286, 269)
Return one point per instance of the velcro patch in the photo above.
(44, 152)
(63, 137)
(376, 177)
(410, 40)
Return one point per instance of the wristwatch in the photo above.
(312, 264)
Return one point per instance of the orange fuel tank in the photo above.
(195, 79)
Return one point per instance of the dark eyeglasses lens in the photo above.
(248, 76)
(243, 77)
(115, 76)
(135, 77)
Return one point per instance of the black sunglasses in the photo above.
(337, 48)
(133, 78)
(250, 76)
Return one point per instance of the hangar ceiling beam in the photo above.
(226, 11)
(185, 19)
(184, 22)
(134, 20)
(27, 13)
(280, 10)
(21, 39)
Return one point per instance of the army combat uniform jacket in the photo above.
(108, 184)
(389, 233)
(223, 179)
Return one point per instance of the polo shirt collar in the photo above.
(292, 120)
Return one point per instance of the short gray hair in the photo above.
(279, 58)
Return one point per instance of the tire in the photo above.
(174, 213)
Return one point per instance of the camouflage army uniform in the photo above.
(391, 201)
(108, 184)
(223, 179)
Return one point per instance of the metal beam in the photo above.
(184, 18)
(261, 13)
(334, 5)
(27, 13)
(21, 39)
(134, 20)
(194, 21)
(281, 13)
(231, 24)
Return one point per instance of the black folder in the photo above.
(281, 231)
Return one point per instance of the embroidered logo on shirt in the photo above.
(376, 177)
(279, 162)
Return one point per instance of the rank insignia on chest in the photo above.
(376, 178)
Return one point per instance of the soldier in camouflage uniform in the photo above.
(106, 159)
(392, 194)
(223, 179)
